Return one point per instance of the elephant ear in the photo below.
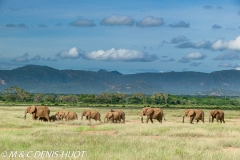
(110, 114)
(190, 113)
(87, 113)
(149, 111)
(66, 113)
(215, 112)
(32, 109)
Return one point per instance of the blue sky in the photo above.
(127, 36)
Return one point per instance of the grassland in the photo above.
(130, 141)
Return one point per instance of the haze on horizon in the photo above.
(127, 36)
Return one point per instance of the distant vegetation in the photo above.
(16, 95)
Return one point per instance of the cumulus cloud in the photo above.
(117, 20)
(202, 44)
(72, 53)
(120, 55)
(228, 65)
(151, 22)
(82, 23)
(192, 56)
(228, 56)
(216, 26)
(36, 58)
(180, 24)
(223, 45)
(179, 39)
(23, 58)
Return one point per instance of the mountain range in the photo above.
(44, 79)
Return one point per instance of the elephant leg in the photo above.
(197, 121)
(147, 119)
(212, 119)
(151, 120)
(191, 120)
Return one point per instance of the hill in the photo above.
(44, 79)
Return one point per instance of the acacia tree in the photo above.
(16, 94)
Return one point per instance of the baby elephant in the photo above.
(218, 114)
(42, 119)
(53, 118)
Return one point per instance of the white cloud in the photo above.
(120, 55)
(150, 22)
(222, 45)
(72, 53)
(192, 56)
(23, 58)
(116, 20)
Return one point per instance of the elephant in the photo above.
(152, 113)
(53, 118)
(113, 116)
(218, 114)
(196, 114)
(91, 114)
(43, 119)
(122, 114)
(38, 111)
(70, 116)
(60, 115)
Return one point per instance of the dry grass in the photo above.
(130, 141)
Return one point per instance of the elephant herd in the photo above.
(118, 116)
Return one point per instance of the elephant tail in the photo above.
(203, 117)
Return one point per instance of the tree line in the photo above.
(19, 95)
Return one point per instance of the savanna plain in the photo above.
(132, 140)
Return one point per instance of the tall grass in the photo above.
(130, 141)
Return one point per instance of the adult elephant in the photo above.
(122, 114)
(91, 114)
(70, 116)
(112, 116)
(196, 114)
(38, 112)
(152, 113)
(218, 114)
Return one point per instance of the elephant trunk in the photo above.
(25, 115)
(183, 118)
(141, 117)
